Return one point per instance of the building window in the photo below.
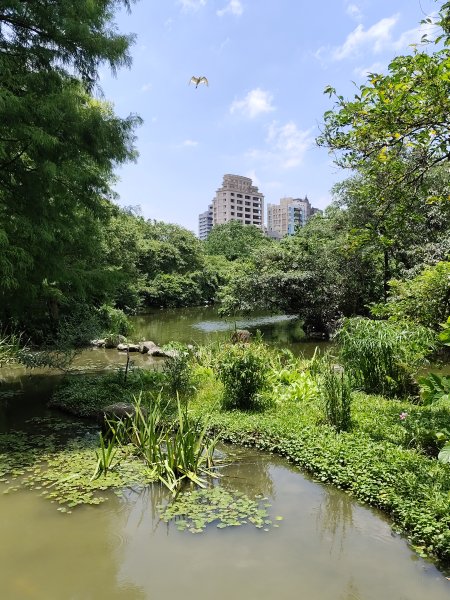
(255, 198)
(231, 193)
(232, 213)
(239, 195)
(247, 197)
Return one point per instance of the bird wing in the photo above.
(194, 80)
(203, 80)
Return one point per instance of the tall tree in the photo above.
(58, 150)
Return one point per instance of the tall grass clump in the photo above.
(382, 357)
(336, 394)
(242, 368)
(176, 450)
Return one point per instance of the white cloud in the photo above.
(188, 144)
(192, 5)
(234, 7)
(253, 177)
(289, 142)
(354, 11)
(378, 37)
(286, 146)
(255, 103)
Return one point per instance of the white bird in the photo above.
(198, 80)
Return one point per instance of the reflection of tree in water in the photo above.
(351, 591)
(146, 500)
(335, 517)
(283, 332)
(249, 473)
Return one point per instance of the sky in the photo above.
(267, 63)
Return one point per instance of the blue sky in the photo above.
(267, 62)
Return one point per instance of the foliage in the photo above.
(234, 240)
(403, 112)
(444, 336)
(316, 274)
(59, 146)
(177, 451)
(177, 373)
(242, 370)
(434, 388)
(336, 394)
(381, 356)
(374, 462)
(425, 299)
(86, 395)
(194, 511)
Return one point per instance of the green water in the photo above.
(327, 547)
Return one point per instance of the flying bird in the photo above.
(198, 80)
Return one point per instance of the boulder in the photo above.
(241, 336)
(129, 347)
(98, 343)
(147, 347)
(112, 341)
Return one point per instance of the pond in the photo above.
(327, 546)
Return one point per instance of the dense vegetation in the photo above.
(374, 268)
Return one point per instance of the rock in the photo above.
(98, 343)
(241, 336)
(112, 341)
(119, 410)
(129, 347)
(159, 352)
(147, 347)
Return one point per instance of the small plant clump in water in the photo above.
(194, 511)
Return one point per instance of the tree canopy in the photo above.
(58, 149)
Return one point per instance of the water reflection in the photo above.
(334, 519)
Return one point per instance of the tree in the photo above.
(58, 150)
(397, 124)
(234, 240)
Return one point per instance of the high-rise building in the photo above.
(238, 200)
(284, 218)
(205, 222)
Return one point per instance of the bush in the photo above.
(425, 299)
(177, 372)
(242, 369)
(382, 357)
(336, 395)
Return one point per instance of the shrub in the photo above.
(425, 299)
(336, 394)
(177, 372)
(383, 356)
(242, 369)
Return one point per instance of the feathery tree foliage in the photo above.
(58, 150)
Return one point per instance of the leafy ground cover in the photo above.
(383, 460)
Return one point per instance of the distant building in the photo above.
(205, 222)
(287, 216)
(238, 200)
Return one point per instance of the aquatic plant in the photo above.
(194, 511)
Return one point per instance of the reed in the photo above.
(382, 357)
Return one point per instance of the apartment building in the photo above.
(205, 222)
(284, 218)
(239, 200)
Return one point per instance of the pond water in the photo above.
(326, 547)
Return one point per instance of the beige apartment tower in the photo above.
(238, 200)
(284, 218)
